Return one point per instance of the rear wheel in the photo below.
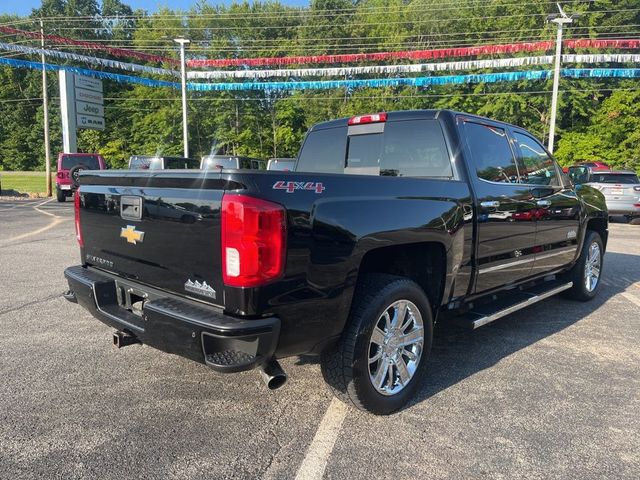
(586, 273)
(60, 195)
(378, 363)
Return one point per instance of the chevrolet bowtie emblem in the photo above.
(131, 234)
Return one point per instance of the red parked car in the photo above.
(593, 166)
(69, 166)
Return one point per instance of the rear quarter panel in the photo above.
(330, 232)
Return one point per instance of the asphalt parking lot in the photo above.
(548, 392)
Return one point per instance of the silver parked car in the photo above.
(621, 189)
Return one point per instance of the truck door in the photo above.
(557, 211)
(505, 207)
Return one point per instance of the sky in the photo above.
(23, 7)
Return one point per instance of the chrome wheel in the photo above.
(395, 347)
(592, 267)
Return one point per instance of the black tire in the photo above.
(74, 172)
(579, 291)
(346, 368)
(60, 195)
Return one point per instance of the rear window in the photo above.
(209, 163)
(628, 178)
(324, 151)
(410, 148)
(281, 165)
(142, 163)
(179, 163)
(70, 161)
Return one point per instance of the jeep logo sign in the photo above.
(84, 108)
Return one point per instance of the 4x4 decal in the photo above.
(291, 187)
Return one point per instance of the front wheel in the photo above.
(586, 273)
(378, 363)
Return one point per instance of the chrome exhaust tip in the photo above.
(273, 375)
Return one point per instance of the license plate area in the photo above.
(131, 208)
(617, 191)
(65, 187)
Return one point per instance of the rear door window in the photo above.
(537, 167)
(70, 161)
(491, 153)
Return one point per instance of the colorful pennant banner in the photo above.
(330, 84)
(103, 62)
(440, 53)
(116, 52)
(117, 77)
(414, 68)
(376, 69)
(418, 54)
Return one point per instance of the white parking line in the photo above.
(315, 462)
(35, 207)
(55, 221)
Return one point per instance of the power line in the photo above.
(453, 5)
(139, 43)
(453, 43)
(408, 21)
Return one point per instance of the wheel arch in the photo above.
(425, 263)
(599, 225)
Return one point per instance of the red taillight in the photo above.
(372, 118)
(76, 202)
(253, 240)
(60, 175)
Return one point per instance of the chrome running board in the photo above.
(476, 319)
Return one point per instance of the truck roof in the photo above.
(410, 115)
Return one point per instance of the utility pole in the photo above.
(45, 104)
(183, 73)
(560, 19)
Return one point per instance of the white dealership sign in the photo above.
(86, 108)
(88, 83)
(87, 121)
(88, 96)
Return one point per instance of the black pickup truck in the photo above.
(389, 222)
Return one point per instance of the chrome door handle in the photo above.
(493, 204)
(543, 203)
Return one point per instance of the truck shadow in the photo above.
(458, 353)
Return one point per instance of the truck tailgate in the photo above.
(164, 236)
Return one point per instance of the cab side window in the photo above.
(491, 152)
(537, 167)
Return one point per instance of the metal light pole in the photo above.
(560, 19)
(45, 105)
(183, 73)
